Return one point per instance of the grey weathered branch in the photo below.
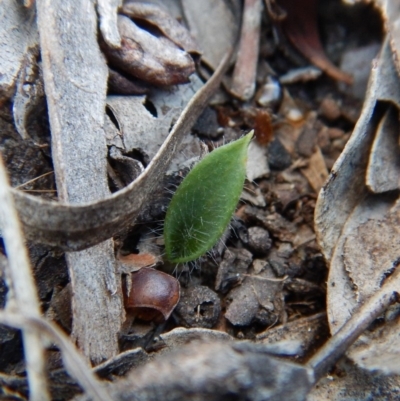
(75, 77)
(78, 227)
(24, 289)
(74, 363)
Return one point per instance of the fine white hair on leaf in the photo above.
(203, 204)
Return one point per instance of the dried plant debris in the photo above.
(154, 60)
(214, 25)
(82, 218)
(155, 50)
(310, 331)
(202, 363)
(18, 34)
(264, 282)
(391, 12)
(29, 98)
(244, 75)
(300, 26)
(348, 382)
(362, 242)
(143, 122)
(27, 161)
(259, 298)
(199, 307)
(162, 20)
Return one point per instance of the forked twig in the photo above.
(74, 362)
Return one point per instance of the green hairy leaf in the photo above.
(202, 207)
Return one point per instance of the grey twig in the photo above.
(24, 289)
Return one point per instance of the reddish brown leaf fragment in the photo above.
(118, 83)
(263, 130)
(300, 27)
(155, 60)
(135, 261)
(160, 19)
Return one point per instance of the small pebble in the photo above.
(323, 139)
(339, 144)
(259, 240)
(303, 74)
(330, 109)
(278, 157)
(335, 133)
(207, 124)
(199, 306)
(270, 94)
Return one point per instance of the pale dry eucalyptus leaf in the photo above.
(29, 95)
(145, 131)
(346, 183)
(79, 226)
(357, 219)
(18, 32)
(383, 172)
(107, 10)
(215, 26)
(257, 163)
(391, 14)
(173, 7)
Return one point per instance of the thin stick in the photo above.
(24, 289)
(337, 345)
(34, 179)
(244, 74)
(73, 361)
(277, 280)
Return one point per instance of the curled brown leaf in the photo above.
(300, 27)
(155, 60)
(162, 21)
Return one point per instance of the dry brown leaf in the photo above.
(301, 27)
(358, 229)
(77, 227)
(153, 59)
(244, 74)
(316, 171)
(143, 131)
(119, 83)
(383, 172)
(163, 21)
(135, 261)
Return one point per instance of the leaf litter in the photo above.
(265, 282)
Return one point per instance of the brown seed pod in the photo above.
(153, 295)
